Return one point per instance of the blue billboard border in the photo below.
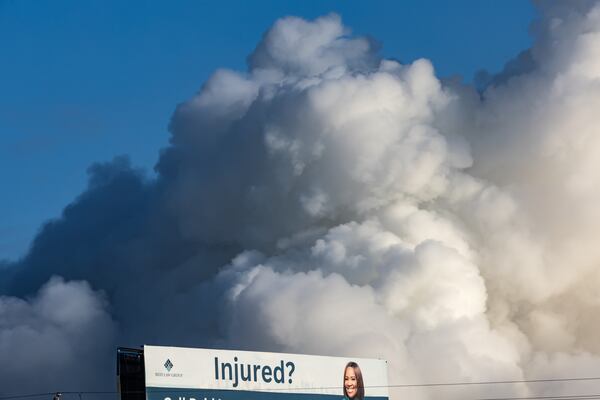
(164, 393)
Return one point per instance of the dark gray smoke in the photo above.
(328, 201)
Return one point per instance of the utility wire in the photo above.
(560, 397)
(442, 384)
(595, 378)
(23, 396)
(407, 385)
(564, 397)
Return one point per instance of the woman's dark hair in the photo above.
(360, 386)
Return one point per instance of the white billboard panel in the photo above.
(175, 373)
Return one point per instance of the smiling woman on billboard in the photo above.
(354, 387)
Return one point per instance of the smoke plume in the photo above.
(328, 201)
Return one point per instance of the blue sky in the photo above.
(85, 81)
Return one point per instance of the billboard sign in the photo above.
(175, 373)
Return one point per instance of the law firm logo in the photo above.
(168, 366)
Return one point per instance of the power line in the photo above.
(563, 397)
(493, 382)
(558, 397)
(24, 396)
(442, 384)
(407, 385)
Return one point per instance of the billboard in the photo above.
(175, 373)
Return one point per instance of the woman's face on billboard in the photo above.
(350, 382)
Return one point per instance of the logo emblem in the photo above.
(168, 365)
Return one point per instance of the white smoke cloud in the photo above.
(295, 47)
(64, 332)
(444, 251)
(330, 202)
